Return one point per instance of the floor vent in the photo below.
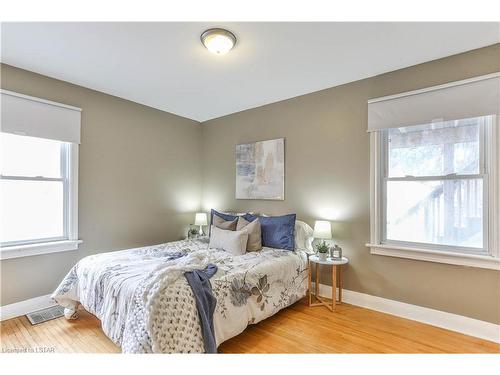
(40, 316)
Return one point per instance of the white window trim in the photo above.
(69, 244)
(459, 259)
(376, 246)
(11, 252)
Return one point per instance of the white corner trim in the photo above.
(469, 260)
(10, 252)
(453, 322)
(24, 307)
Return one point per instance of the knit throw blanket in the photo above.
(162, 310)
(141, 297)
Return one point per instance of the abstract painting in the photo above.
(260, 170)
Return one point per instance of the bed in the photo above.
(146, 305)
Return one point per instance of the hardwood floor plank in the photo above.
(297, 329)
(38, 340)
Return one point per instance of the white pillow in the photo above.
(232, 241)
(303, 236)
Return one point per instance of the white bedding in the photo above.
(145, 304)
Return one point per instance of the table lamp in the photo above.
(201, 220)
(322, 230)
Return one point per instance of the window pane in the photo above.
(28, 156)
(435, 149)
(445, 212)
(31, 210)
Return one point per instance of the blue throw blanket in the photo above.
(199, 281)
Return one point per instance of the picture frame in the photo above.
(260, 170)
(336, 252)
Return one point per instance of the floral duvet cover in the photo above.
(145, 304)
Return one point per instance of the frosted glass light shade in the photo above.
(218, 41)
(322, 230)
(201, 219)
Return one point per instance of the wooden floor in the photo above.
(297, 329)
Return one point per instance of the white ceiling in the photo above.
(164, 65)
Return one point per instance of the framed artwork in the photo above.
(260, 170)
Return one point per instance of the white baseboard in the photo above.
(24, 307)
(453, 322)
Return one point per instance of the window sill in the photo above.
(11, 252)
(479, 261)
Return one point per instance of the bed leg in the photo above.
(70, 313)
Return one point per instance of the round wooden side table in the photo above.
(336, 265)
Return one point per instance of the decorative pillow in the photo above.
(223, 215)
(277, 231)
(234, 242)
(234, 213)
(226, 217)
(254, 233)
(224, 224)
(303, 236)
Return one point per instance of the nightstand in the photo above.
(199, 238)
(205, 239)
(336, 265)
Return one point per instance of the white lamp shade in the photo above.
(323, 230)
(201, 219)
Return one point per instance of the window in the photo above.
(435, 168)
(38, 176)
(34, 190)
(435, 185)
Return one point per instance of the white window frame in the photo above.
(69, 241)
(490, 259)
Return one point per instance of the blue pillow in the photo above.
(226, 217)
(277, 231)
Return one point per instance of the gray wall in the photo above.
(327, 177)
(139, 180)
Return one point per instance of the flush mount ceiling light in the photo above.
(218, 41)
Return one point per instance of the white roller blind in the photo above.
(27, 115)
(473, 97)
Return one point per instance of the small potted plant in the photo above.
(322, 251)
(193, 233)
